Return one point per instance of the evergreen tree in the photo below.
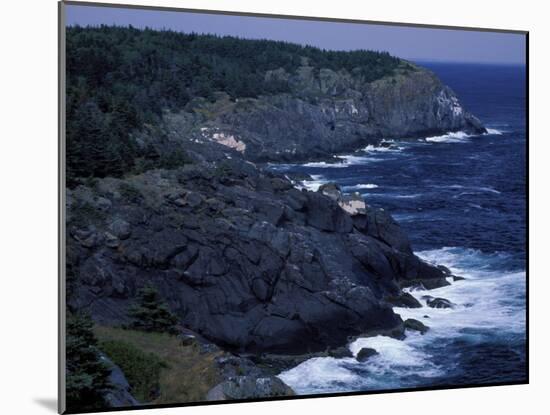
(121, 78)
(89, 151)
(150, 313)
(87, 375)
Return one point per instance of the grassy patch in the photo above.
(129, 192)
(83, 213)
(142, 370)
(188, 374)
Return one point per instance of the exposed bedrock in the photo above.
(327, 112)
(240, 255)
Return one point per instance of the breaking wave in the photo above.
(362, 186)
(489, 304)
(460, 136)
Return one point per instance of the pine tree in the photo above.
(151, 314)
(87, 375)
(119, 80)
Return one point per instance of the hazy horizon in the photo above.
(418, 44)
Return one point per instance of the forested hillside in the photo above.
(196, 272)
(120, 78)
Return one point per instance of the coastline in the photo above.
(413, 361)
(276, 364)
(480, 275)
(269, 275)
(341, 158)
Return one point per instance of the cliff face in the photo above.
(417, 104)
(241, 256)
(328, 112)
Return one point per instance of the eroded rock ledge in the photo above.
(326, 113)
(243, 258)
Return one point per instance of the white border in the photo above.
(29, 203)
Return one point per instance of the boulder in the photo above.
(380, 224)
(261, 289)
(325, 214)
(404, 300)
(340, 352)
(120, 393)
(279, 184)
(371, 255)
(120, 228)
(249, 387)
(88, 237)
(331, 190)
(187, 339)
(193, 199)
(439, 303)
(413, 324)
(103, 204)
(365, 353)
(423, 275)
(111, 240)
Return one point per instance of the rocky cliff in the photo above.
(164, 191)
(243, 258)
(327, 112)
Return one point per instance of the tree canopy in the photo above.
(119, 78)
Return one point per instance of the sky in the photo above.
(412, 43)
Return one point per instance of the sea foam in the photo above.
(314, 184)
(456, 137)
(490, 302)
(372, 149)
(362, 186)
(460, 136)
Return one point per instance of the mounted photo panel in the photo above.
(260, 207)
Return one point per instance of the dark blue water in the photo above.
(462, 201)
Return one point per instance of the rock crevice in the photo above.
(248, 261)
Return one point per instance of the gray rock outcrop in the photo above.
(325, 113)
(120, 395)
(242, 257)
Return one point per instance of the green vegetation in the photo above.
(174, 159)
(129, 192)
(151, 314)
(84, 213)
(141, 369)
(119, 78)
(87, 375)
(186, 375)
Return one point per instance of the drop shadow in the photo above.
(48, 403)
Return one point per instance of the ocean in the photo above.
(462, 201)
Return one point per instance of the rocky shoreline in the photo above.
(325, 114)
(267, 273)
(270, 274)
